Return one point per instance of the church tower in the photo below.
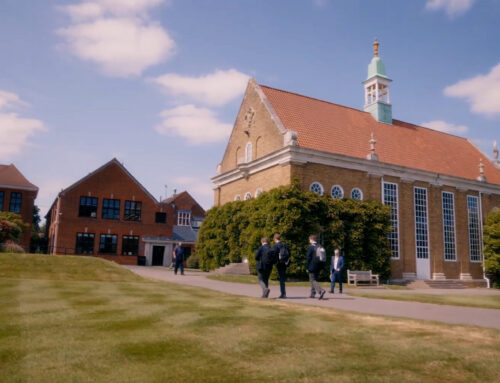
(377, 98)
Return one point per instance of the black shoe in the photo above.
(331, 292)
(282, 297)
(312, 296)
(267, 292)
(340, 292)
(322, 294)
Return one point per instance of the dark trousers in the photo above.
(336, 277)
(282, 276)
(264, 279)
(179, 264)
(315, 287)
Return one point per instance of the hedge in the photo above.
(233, 231)
(492, 246)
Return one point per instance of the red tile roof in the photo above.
(12, 177)
(337, 129)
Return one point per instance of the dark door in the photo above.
(158, 255)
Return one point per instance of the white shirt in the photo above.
(335, 262)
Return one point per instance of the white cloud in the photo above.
(481, 92)
(445, 127)
(196, 125)
(215, 89)
(14, 130)
(117, 35)
(321, 3)
(99, 8)
(451, 7)
(193, 185)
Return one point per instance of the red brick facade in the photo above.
(13, 185)
(112, 182)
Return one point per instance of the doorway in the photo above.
(158, 252)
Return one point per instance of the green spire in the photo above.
(376, 66)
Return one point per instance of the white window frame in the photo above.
(360, 192)
(248, 196)
(341, 190)
(454, 227)
(258, 192)
(397, 215)
(428, 247)
(320, 186)
(248, 152)
(237, 197)
(479, 242)
(183, 218)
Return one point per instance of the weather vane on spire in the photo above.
(375, 48)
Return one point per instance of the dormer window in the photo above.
(184, 218)
(248, 152)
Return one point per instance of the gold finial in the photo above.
(375, 48)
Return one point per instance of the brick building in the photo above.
(439, 186)
(17, 195)
(108, 213)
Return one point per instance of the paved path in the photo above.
(440, 313)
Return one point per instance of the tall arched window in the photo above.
(248, 152)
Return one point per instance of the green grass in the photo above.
(484, 301)
(252, 279)
(117, 327)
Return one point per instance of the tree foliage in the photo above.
(492, 246)
(233, 231)
(11, 227)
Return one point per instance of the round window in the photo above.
(316, 187)
(337, 192)
(357, 194)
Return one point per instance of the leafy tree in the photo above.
(492, 246)
(11, 227)
(38, 242)
(233, 231)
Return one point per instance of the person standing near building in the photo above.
(336, 267)
(316, 257)
(179, 258)
(265, 258)
(283, 255)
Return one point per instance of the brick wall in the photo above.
(110, 182)
(27, 204)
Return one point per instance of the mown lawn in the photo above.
(469, 300)
(100, 323)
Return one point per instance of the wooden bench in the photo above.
(355, 276)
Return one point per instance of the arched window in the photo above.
(248, 196)
(258, 149)
(237, 197)
(337, 191)
(317, 188)
(238, 155)
(248, 152)
(258, 192)
(357, 194)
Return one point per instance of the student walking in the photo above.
(179, 258)
(265, 258)
(336, 267)
(316, 257)
(283, 255)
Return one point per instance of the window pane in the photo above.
(449, 226)
(1, 200)
(15, 202)
(160, 217)
(132, 211)
(421, 224)
(130, 245)
(84, 243)
(111, 208)
(474, 235)
(107, 243)
(88, 207)
(391, 199)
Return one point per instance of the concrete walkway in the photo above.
(414, 310)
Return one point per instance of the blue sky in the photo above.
(158, 83)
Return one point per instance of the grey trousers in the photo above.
(315, 287)
(264, 279)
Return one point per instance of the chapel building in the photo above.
(440, 187)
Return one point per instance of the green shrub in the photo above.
(492, 246)
(233, 231)
(11, 227)
(193, 261)
(10, 247)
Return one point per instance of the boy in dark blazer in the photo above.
(336, 267)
